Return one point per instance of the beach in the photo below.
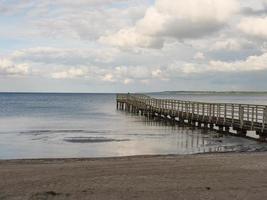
(205, 176)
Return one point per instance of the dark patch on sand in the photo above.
(3, 196)
(48, 195)
(44, 195)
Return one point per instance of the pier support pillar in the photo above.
(189, 121)
(262, 136)
(227, 129)
(181, 120)
(241, 132)
(211, 126)
(172, 120)
(221, 129)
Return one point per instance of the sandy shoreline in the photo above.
(208, 176)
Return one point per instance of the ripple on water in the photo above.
(92, 139)
(39, 132)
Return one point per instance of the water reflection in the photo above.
(191, 140)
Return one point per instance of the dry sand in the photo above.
(212, 176)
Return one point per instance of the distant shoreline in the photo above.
(208, 92)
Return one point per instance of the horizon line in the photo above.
(149, 92)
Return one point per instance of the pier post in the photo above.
(262, 136)
(241, 116)
(211, 126)
(227, 129)
(241, 132)
(220, 129)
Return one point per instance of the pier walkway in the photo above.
(239, 117)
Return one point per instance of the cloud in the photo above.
(228, 44)
(252, 63)
(247, 11)
(67, 56)
(199, 56)
(80, 3)
(109, 77)
(253, 8)
(14, 7)
(129, 37)
(174, 19)
(120, 74)
(79, 23)
(8, 67)
(231, 44)
(254, 26)
(111, 43)
(128, 81)
(70, 73)
(17, 6)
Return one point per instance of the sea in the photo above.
(59, 125)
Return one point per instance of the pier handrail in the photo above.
(245, 115)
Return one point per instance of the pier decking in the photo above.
(239, 117)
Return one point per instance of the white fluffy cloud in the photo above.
(8, 67)
(254, 26)
(227, 44)
(199, 56)
(174, 19)
(70, 73)
(252, 63)
(129, 37)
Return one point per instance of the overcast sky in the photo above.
(132, 45)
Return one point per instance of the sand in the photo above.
(209, 176)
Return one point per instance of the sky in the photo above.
(133, 45)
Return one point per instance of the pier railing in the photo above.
(238, 116)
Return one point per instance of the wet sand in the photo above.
(210, 176)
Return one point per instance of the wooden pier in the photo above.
(239, 117)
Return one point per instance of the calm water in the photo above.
(88, 125)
